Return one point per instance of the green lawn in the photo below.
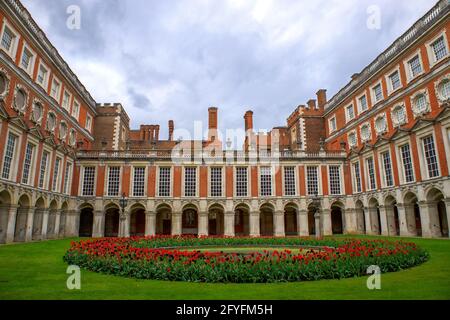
(36, 271)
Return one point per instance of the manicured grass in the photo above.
(36, 271)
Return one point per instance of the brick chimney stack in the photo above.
(311, 104)
(212, 123)
(157, 132)
(248, 118)
(171, 128)
(321, 98)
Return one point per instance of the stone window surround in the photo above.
(132, 167)
(13, 50)
(358, 102)
(437, 85)
(431, 58)
(77, 115)
(413, 99)
(20, 87)
(347, 118)
(81, 179)
(380, 116)
(32, 62)
(372, 93)
(380, 152)
(366, 171)
(420, 135)
(17, 148)
(330, 129)
(69, 106)
(319, 177)
(32, 173)
(341, 178)
(390, 90)
(408, 72)
(401, 172)
(354, 176)
(7, 77)
(69, 178)
(295, 179)
(157, 180)
(47, 168)
(58, 94)
(45, 84)
(272, 180)
(235, 180)
(197, 180)
(106, 182)
(75, 137)
(58, 179)
(61, 124)
(223, 180)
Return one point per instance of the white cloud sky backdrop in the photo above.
(173, 59)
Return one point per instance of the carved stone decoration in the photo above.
(62, 130)
(365, 131)
(380, 124)
(442, 88)
(20, 99)
(38, 111)
(352, 138)
(420, 103)
(72, 137)
(5, 80)
(51, 122)
(398, 113)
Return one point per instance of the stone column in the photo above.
(72, 223)
(203, 224)
(44, 223)
(368, 221)
(150, 223)
(229, 217)
(430, 227)
(390, 220)
(318, 224)
(384, 221)
(302, 223)
(278, 223)
(57, 223)
(176, 223)
(447, 210)
(402, 220)
(326, 222)
(349, 216)
(254, 224)
(29, 230)
(11, 228)
(124, 225)
(410, 219)
(99, 224)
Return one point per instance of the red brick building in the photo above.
(373, 159)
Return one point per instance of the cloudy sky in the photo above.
(173, 59)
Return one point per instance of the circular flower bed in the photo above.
(178, 258)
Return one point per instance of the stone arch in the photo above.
(216, 219)
(412, 214)
(374, 216)
(164, 219)
(63, 219)
(112, 220)
(360, 219)
(20, 229)
(242, 219)
(137, 220)
(5, 204)
(312, 210)
(438, 214)
(51, 223)
(39, 211)
(392, 216)
(86, 220)
(337, 217)
(290, 219)
(189, 219)
(266, 219)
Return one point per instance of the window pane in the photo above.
(335, 180)
(164, 182)
(407, 163)
(312, 180)
(266, 181)
(430, 156)
(88, 181)
(27, 163)
(241, 181)
(139, 182)
(113, 181)
(9, 154)
(289, 181)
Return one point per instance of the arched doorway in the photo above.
(290, 219)
(5, 204)
(337, 223)
(86, 221)
(312, 209)
(63, 220)
(137, 221)
(216, 220)
(375, 217)
(360, 219)
(438, 213)
(266, 220)
(189, 220)
(112, 218)
(164, 219)
(38, 218)
(412, 214)
(51, 225)
(393, 220)
(242, 220)
(21, 218)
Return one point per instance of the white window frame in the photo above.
(390, 89)
(373, 95)
(32, 62)
(248, 169)
(431, 56)
(158, 181)
(402, 174)
(57, 188)
(222, 181)
(15, 158)
(13, 50)
(370, 131)
(68, 107)
(347, 117)
(382, 168)
(283, 179)
(88, 124)
(354, 182)
(330, 128)
(46, 79)
(366, 167)
(77, 114)
(358, 102)
(47, 168)
(81, 184)
(414, 96)
(58, 94)
(132, 180)
(197, 181)
(422, 159)
(380, 116)
(356, 138)
(319, 178)
(67, 182)
(341, 179)
(106, 188)
(272, 173)
(32, 172)
(408, 70)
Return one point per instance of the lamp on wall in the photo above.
(123, 202)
